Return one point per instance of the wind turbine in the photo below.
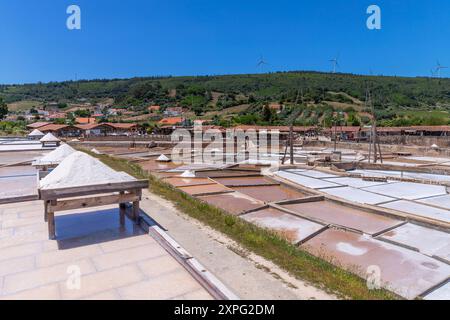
(439, 67)
(433, 73)
(335, 62)
(261, 63)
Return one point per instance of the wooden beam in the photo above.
(52, 194)
(62, 205)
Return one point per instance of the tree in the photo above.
(3, 109)
(268, 114)
(83, 113)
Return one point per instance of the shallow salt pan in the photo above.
(306, 181)
(442, 293)
(316, 174)
(440, 201)
(419, 210)
(356, 182)
(426, 240)
(357, 195)
(408, 190)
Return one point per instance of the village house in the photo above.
(61, 130)
(109, 129)
(37, 125)
(171, 121)
(89, 120)
(276, 106)
(173, 112)
(95, 129)
(57, 115)
(152, 109)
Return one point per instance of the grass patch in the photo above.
(24, 105)
(261, 241)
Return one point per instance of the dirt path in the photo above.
(246, 274)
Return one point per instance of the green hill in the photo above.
(396, 98)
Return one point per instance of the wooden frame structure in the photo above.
(71, 198)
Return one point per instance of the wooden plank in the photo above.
(62, 205)
(50, 194)
(19, 199)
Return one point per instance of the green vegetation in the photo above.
(12, 128)
(23, 105)
(261, 241)
(3, 109)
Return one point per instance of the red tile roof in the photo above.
(172, 121)
(53, 127)
(154, 108)
(58, 115)
(84, 120)
(123, 125)
(37, 125)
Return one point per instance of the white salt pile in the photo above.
(435, 146)
(95, 151)
(163, 158)
(36, 133)
(80, 169)
(188, 174)
(49, 138)
(75, 140)
(56, 156)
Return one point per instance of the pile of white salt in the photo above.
(163, 158)
(80, 169)
(56, 156)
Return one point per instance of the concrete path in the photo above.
(249, 276)
(93, 258)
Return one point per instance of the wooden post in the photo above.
(122, 209)
(51, 225)
(45, 211)
(138, 192)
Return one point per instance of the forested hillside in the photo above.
(396, 98)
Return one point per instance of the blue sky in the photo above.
(122, 39)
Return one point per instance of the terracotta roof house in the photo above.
(154, 108)
(276, 106)
(57, 115)
(173, 111)
(95, 129)
(85, 120)
(105, 129)
(37, 125)
(61, 130)
(171, 121)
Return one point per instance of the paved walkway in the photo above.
(247, 275)
(93, 258)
